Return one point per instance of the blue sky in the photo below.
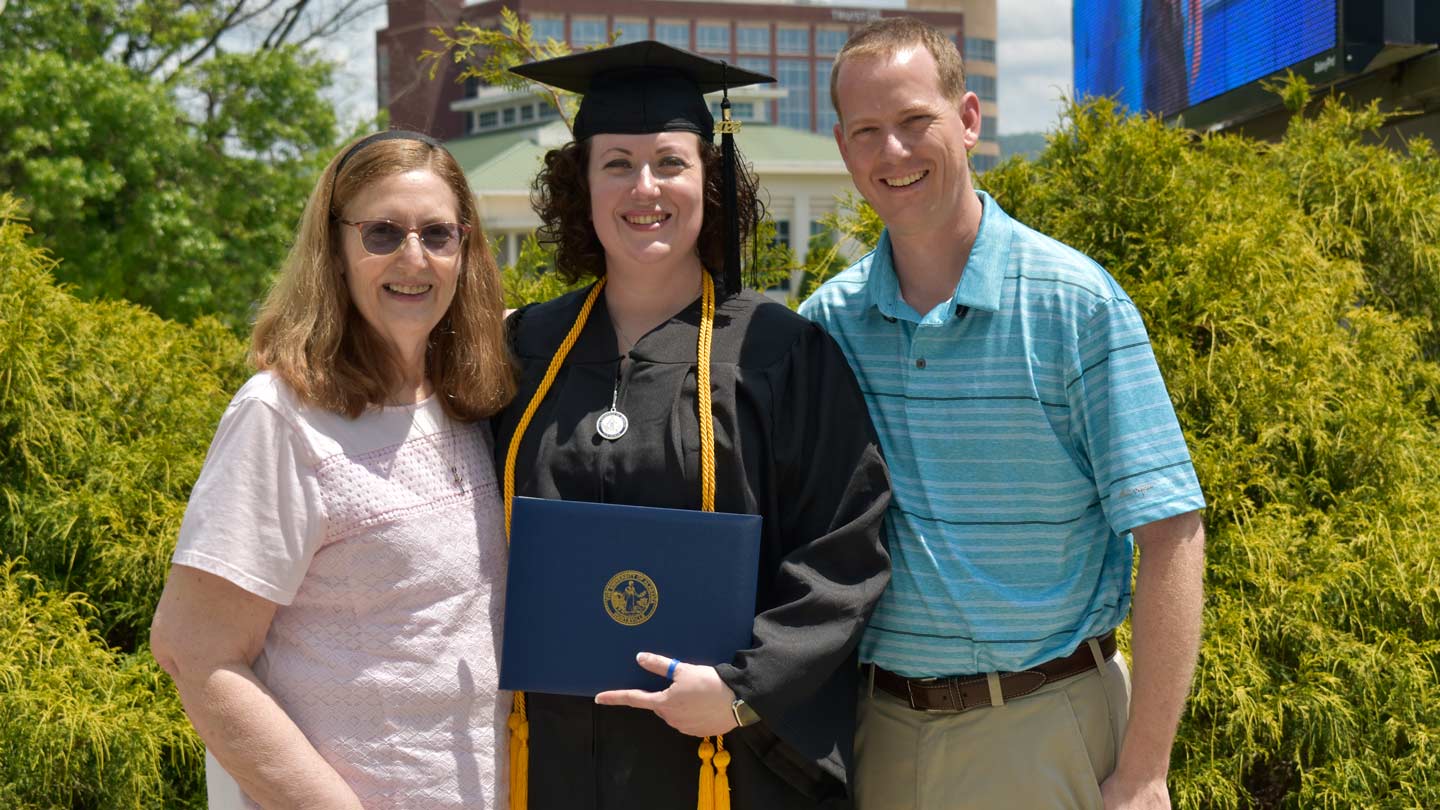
(1033, 50)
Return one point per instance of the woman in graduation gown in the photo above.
(637, 202)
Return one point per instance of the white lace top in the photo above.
(382, 539)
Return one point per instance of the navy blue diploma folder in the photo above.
(592, 584)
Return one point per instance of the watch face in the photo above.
(744, 715)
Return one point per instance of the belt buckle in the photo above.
(910, 690)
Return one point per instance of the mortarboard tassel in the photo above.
(519, 753)
(722, 782)
(730, 281)
(706, 799)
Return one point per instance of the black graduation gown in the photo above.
(794, 443)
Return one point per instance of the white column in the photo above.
(512, 247)
(800, 235)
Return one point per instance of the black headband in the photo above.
(386, 135)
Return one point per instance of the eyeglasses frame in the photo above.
(359, 225)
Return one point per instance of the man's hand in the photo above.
(1165, 635)
(1121, 794)
(696, 703)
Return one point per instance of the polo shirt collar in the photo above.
(979, 286)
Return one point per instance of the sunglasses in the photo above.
(381, 237)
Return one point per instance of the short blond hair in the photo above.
(312, 336)
(890, 35)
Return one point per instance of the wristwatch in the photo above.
(744, 715)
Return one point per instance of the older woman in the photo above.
(636, 202)
(332, 615)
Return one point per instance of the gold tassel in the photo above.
(722, 782)
(519, 753)
(707, 777)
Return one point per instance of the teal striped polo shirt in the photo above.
(1027, 430)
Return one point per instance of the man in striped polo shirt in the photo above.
(1031, 445)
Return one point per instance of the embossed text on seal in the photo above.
(630, 598)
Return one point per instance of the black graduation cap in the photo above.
(648, 86)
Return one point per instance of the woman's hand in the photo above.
(697, 702)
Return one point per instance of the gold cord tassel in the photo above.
(722, 781)
(710, 785)
(519, 753)
(706, 800)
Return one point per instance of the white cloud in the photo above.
(1034, 63)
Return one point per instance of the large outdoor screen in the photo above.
(1165, 55)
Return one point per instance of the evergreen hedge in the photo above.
(1291, 291)
(105, 414)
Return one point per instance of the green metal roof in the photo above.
(473, 150)
(763, 143)
(510, 170)
(509, 160)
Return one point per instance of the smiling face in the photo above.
(647, 197)
(402, 296)
(905, 143)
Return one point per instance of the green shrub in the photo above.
(81, 725)
(105, 414)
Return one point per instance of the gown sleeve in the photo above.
(832, 489)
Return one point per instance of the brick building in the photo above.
(794, 42)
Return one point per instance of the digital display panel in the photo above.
(1163, 56)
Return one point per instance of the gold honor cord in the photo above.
(714, 792)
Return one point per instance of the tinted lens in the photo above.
(440, 238)
(381, 238)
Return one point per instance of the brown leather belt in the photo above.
(962, 693)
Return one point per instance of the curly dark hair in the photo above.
(560, 195)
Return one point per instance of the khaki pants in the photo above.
(1046, 751)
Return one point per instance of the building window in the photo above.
(759, 64)
(548, 28)
(469, 121)
(527, 113)
(752, 38)
(631, 30)
(488, 120)
(508, 115)
(782, 232)
(586, 31)
(828, 41)
(979, 50)
(792, 40)
(987, 128)
(712, 38)
(795, 80)
(983, 163)
(983, 86)
(676, 35)
(547, 112)
(472, 87)
(825, 117)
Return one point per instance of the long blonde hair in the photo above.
(311, 335)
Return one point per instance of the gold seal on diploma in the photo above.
(630, 598)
